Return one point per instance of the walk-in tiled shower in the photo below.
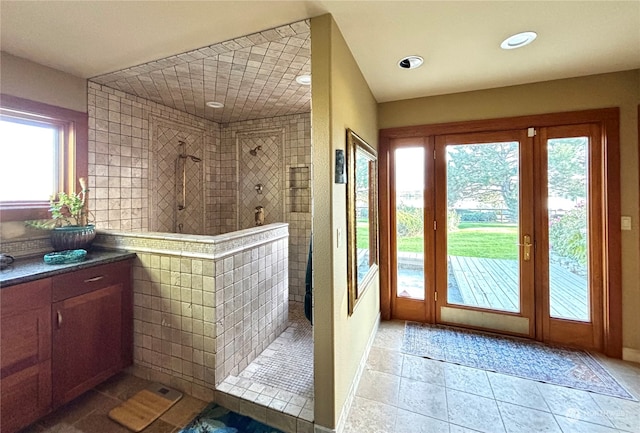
(253, 154)
(133, 176)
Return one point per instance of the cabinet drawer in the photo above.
(87, 280)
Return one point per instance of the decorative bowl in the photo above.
(72, 237)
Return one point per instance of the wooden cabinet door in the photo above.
(87, 341)
(25, 354)
(26, 396)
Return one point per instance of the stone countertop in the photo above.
(34, 268)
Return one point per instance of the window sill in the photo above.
(22, 211)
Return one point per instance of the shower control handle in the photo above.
(259, 215)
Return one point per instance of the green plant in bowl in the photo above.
(66, 210)
(69, 209)
(69, 223)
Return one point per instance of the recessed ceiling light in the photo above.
(215, 104)
(411, 62)
(518, 40)
(305, 79)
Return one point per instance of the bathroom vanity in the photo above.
(64, 329)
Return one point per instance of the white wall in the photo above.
(29, 80)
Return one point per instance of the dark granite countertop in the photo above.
(34, 268)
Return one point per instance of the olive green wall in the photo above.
(341, 100)
(621, 89)
(29, 80)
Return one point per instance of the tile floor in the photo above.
(277, 387)
(407, 394)
(88, 413)
(399, 393)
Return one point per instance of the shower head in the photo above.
(255, 150)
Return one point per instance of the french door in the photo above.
(484, 202)
(500, 231)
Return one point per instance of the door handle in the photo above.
(59, 316)
(526, 254)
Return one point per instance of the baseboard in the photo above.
(319, 429)
(342, 420)
(629, 354)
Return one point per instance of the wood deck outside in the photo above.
(493, 283)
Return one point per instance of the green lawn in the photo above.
(489, 240)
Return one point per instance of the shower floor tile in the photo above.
(287, 364)
(281, 377)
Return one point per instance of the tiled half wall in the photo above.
(205, 307)
(133, 147)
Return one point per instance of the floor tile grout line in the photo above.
(605, 411)
(527, 408)
(556, 415)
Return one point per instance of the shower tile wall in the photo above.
(260, 176)
(198, 315)
(121, 167)
(166, 178)
(296, 169)
(121, 156)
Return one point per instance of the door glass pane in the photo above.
(568, 235)
(483, 190)
(409, 188)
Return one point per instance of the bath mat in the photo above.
(145, 407)
(513, 356)
(217, 419)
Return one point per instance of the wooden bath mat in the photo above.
(145, 407)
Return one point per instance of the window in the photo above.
(29, 159)
(43, 150)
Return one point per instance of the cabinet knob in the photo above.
(59, 315)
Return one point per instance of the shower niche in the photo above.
(299, 189)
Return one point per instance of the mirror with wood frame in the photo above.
(362, 217)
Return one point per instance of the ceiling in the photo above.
(458, 40)
(254, 76)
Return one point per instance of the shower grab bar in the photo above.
(183, 204)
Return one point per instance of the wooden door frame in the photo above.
(525, 223)
(560, 330)
(608, 120)
(412, 309)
